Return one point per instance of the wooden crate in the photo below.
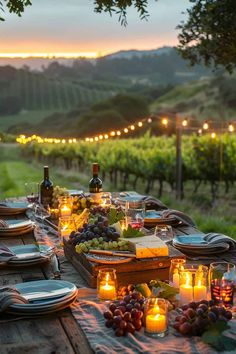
(136, 271)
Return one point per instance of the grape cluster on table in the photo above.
(197, 316)
(125, 316)
(99, 210)
(97, 236)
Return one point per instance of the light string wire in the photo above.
(209, 126)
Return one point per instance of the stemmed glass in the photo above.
(32, 193)
(135, 214)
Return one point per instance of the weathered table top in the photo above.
(58, 333)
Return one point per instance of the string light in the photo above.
(213, 135)
(231, 127)
(205, 125)
(164, 121)
(23, 139)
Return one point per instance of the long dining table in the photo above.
(54, 333)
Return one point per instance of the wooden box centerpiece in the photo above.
(136, 271)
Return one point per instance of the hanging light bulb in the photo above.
(126, 130)
(213, 135)
(112, 133)
(231, 127)
(96, 138)
(140, 124)
(100, 136)
(91, 140)
(199, 131)
(118, 133)
(149, 120)
(164, 121)
(106, 136)
(185, 123)
(132, 127)
(205, 125)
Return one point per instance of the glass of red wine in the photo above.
(32, 193)
(135, 214)
(222, 276)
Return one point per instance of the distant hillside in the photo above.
(128, 54)
(38, 91)
(204, 99)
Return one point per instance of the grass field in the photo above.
(14, 172)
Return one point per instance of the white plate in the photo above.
(45, 289)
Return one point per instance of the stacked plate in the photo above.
(27, 255)
(16, 227)
(13, 208)
(153, 218)
(44, 296)
(197, 244)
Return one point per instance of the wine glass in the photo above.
(135, 214)
(32, 193)
(164, 232)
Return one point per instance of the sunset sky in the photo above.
(71, 26)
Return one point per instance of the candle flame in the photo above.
(188, 279)
(199, 282)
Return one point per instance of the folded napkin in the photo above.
(215, 239)
(6, 254)
(3, 224)
(178, 215)
(10, 296)
(150, 202)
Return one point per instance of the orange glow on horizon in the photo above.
(51, 55)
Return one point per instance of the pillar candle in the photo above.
(156, 323)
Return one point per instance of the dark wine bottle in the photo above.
(95, 183)
(46, 189)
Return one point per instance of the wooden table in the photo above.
(53, 334)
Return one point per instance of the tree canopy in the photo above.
(208, 35)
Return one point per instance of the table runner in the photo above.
(88, 312)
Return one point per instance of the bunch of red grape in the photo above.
(197, 316)
(125, 316)
(99, 210)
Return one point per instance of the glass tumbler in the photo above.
(176, 266)
(107, 284)
(221, 279)
(156, 317)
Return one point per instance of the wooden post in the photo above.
(178, 159)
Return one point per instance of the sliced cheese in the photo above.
(148, 247)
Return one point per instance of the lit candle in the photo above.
(176, 279)
(65, 231)
(186, 290)
(65, 211)
(107, 289)
(155, 322)
(200, 291)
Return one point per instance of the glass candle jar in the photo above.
(65, 206)
(221, 278)
(65, 227)
(106, 200)
(156, 317)
(107, 284)
(193, 283)
(176, 265)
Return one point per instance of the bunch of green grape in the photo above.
(81, 202)
(100, 244)
(57, 193)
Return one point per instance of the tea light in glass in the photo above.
(156, 317)
(65, 227)
(107, 284)
(65, 206)
(175, 267)
(200, 284)
(185, 287)
(106, 200)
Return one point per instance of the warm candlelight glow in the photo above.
(200, 291)
(107, 288)
(176, 278)
(164, 121)
(186, 290)
(65, 211)
(156, 323)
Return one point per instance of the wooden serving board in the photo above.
(136, 271)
